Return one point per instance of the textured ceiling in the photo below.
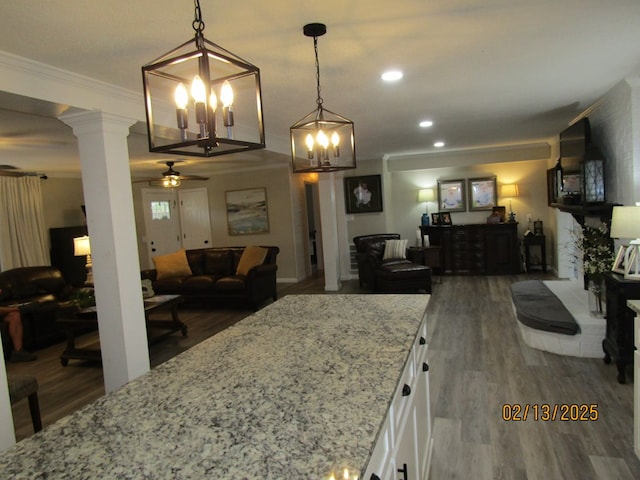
(487, 72)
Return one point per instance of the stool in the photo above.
(21, 386)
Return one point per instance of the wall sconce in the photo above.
(426, 195)
(82, 247)
(625, 223)
(510, 191)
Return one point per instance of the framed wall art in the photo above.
(451, 196)
(483, 193)
(363, 194)
(247, 211)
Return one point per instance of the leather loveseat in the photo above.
(389, 273)
(213, 276)
(39, 292)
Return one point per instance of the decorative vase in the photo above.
(597, 298)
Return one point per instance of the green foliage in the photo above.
(597, 251)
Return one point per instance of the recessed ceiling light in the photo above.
(426, 123)
(391, 76)
(438, 144)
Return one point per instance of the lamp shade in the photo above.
(426, 195)
(509, 191)
(81, 246)
(625, 222)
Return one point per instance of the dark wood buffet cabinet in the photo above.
(618, 342)
(477, 249)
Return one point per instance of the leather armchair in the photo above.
(390, 276)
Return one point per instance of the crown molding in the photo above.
(29, 78)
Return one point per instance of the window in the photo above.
(161, 210)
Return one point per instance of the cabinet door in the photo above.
(405, 455)
(423, 421)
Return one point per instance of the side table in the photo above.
(535, 240)
(430, 256)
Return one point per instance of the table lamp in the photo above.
(426, 195)
(625, 223)
(510, 191)
(82, 247)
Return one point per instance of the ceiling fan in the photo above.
(11, 171)
(171, 178)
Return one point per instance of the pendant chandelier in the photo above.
(202, 100)
(322, 141)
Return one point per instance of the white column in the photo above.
(329, 220)
(106, 180)
(7, 430)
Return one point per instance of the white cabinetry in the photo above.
(403, 449)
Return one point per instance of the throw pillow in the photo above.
(172, 265)
(251, 257)
(395, 249)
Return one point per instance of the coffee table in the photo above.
(89, 317)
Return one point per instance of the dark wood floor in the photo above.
(478, 364)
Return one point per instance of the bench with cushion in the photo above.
(553, 315)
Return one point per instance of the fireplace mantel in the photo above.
(579, 212)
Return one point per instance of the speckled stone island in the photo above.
(293, 391)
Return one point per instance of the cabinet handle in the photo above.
(374, 477)
(423, 340)
(425, 367)
(403, 470)
(406, 390)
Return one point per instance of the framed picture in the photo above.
(451, 196)
(483, 193)
(435, 218)
(363, 194)
(247, 212)
(619, 263)
(500, 213)
(445, 218)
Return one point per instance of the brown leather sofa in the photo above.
(213, 278)
(396, 275)
(39, 292)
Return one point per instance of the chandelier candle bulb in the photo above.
(335, 141)
(181, 98)
(226, 95)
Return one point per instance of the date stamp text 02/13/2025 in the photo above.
(545, 412)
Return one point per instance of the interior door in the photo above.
(162, 223)
(194, 218)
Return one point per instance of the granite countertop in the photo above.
(295, 390)
(634, 305)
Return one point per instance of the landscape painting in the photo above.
(247, 211)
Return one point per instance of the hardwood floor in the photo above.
(478, 363)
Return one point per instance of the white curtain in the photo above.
(23, 239)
